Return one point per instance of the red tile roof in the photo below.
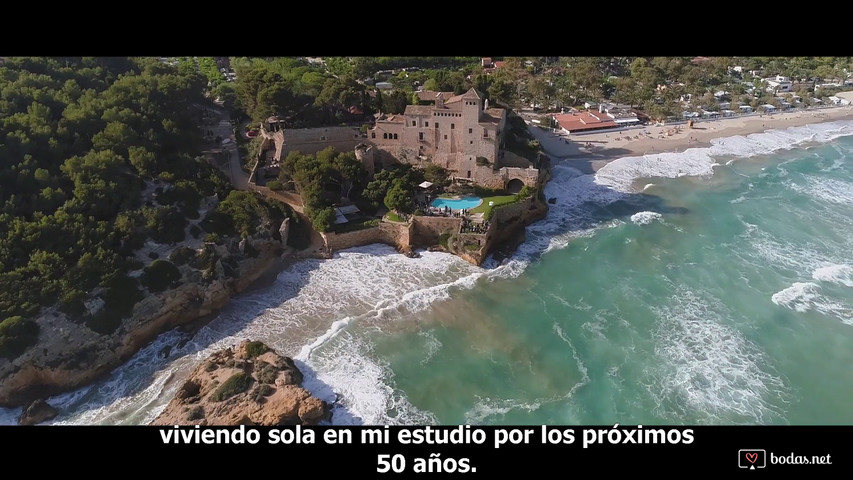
(586, 120)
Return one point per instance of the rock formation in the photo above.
(74, 355)
(37, 412)
(244, 385)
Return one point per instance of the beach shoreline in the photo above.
(589, 152)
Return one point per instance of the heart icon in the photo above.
(752, 457)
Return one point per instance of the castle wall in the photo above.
(389, 233)
(312, 140)
(426, 230)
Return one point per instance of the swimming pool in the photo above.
(457, 204)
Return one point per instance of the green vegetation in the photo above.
(657, 85)
(275, 185)
(444, 238)
(253, 349)
(393, 217)
(181, 255)
(195, 413)
(394, 187)
(321, 180)
(16, 335)
(265, 372)
(237, 383)
(471, 247)
(399, 198)
(438, 175)
(500, 198)
(497, 199)
(354, 225)
(519, 140)
(160, 275)
(80, 140)
(261, 391)
(304, 95)
(242, 212)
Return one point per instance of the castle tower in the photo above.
(472, 109)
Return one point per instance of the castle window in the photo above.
(372, 134)
(469, 173)
(472, 142)
(395, 136)
(452, 126)
(436, 124)
(426, 124)
(421, 136)
(445, 137)
(485, 134)
(385, 136)
(323, 137)
(414, 123)
(470, 130)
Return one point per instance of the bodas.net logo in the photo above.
(751, 458)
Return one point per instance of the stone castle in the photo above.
(458, 132)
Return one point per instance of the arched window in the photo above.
(385, 136)
(395, 136)
(372, 134)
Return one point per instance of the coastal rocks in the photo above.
(37, 412)
(74, 355)
(249, 384)
(284, 231)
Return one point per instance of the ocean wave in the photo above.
(347, 374)
(709, 369)
(805, 296)
(620, 174)
(840, 274)
(825, 189)
(798, 297)
(645, 218)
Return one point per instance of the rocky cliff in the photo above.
(69, 354)
(244, 385)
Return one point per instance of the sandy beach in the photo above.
(594, 150)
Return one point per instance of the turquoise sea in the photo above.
(713, 286)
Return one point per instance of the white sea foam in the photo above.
(772, 250)
(645, 218)
(487, 410)
(805, 296)
(840, 274)
(799, 297)
(346, 373)
(581, 366)
(708, 368)
(431, 344)
(825, 189)
(621, 173)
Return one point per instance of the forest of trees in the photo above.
(310, 95)
(80, 140)
(321, 180)
(657, 84)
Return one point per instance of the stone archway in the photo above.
(514, 186)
